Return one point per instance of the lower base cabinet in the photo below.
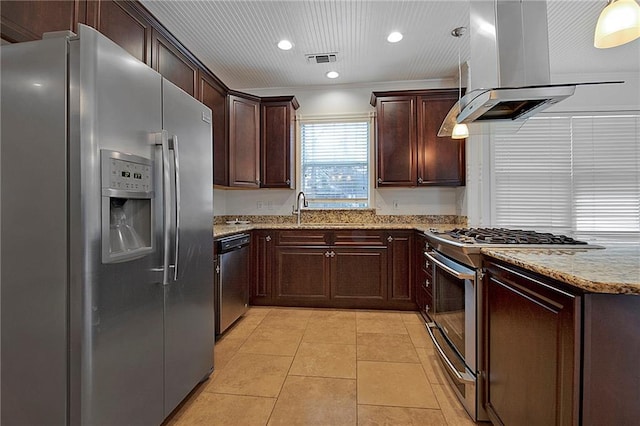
(556, 356)
(531, 349)
(334, 269)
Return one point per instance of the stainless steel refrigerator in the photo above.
(106, 236)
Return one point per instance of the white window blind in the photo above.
(532, 176)
(606, 174)
(576, 174)
(334, 163)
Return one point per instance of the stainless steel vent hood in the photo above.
(509, 66)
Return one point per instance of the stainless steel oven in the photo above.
(452, 289)
(453, 326)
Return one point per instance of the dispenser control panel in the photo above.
(128, 175)
(126, 172)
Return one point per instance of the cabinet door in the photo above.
(441, 161)
(28, 20)
(358, 276)
(401, 274)
(530, 350)
(213, 95)
(173, 65)
(396, 141)
(263, 244)
(301, 276)
(244, 142)
(124, 24)
(277, 145)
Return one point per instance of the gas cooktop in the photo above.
(509, 236)
(464, 244)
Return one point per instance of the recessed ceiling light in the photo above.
(332, 74)
(394, 37)
(285, 44)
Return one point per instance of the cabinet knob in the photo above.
(426, 265)
(217, 269)
(326, 254)
(426, 308)
(288, 181)
(268, 238)
(389, 238)
(379, 180)
(333, 254)
(427, 283)
(420, 180)
(258, 182)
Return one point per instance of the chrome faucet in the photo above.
(297, 209)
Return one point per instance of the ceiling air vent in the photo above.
(321, 58)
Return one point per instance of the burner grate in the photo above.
(511, 236)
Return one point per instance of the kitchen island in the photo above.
(561, 335)
(613, 270)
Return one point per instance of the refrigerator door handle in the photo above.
(176, 160)
(166, 195)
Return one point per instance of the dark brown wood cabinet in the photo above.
(358, 275)
(214, 95)
(169, 61)
(301, 276)
(28, 20)
(408, 150)
(277, 142)
(554, 355)
(244, 141)
(531, 349)
(335, 268)
(441, 161)
(423, 277)
(400, 245)
(125, 23)
(262, 243)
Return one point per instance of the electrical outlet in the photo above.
(395, 204)
(260, 205)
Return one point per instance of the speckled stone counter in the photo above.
(613, 270)
(224, 230)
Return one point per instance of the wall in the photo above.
(336, 100)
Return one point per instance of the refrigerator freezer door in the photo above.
(189, 332)
(117, 308)
(34, 233)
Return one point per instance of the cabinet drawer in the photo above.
(303, 238)
(359, 237)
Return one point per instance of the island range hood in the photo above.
(509, 67)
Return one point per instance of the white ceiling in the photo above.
(237, 39)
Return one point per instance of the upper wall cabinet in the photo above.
(28, 20)
(408, 150)
(214, 95)
(277, 142)
(174, 65)
(244, 141)
(123, 23)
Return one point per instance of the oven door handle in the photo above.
(462, 377)
(450, 270)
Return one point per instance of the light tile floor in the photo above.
(290, 366)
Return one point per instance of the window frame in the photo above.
(342, 118)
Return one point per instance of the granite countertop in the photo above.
(614, 270)
(224, 230)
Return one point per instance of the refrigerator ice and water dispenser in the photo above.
(127, 206)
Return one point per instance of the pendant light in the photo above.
(619, 23)
(460, 131)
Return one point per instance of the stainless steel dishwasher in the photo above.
(232, 292)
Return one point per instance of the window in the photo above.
(571, 174)
(335, 163)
